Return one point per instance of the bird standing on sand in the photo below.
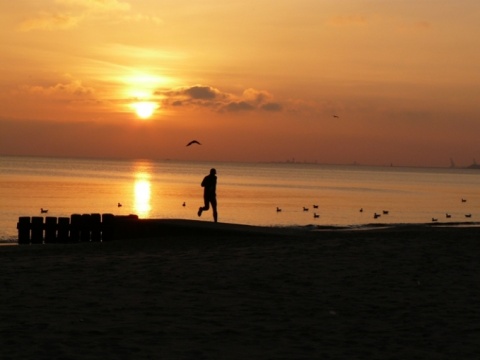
(193, 142)
(43, 211)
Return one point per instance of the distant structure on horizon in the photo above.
(474, 165)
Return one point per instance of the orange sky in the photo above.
(252, 80)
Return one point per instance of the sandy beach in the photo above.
(200, 290)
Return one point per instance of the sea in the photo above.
(265, 194)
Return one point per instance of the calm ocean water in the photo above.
(247, 193)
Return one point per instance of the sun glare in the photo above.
(144, 109)
(140, 89)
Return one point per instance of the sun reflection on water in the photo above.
(142, 190)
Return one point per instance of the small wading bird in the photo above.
(278, 209)
(315, 215)
(448, 216)
(315, 206)
(305, 208)
(193, 142)
(119, 205)
(43, 211)
(376, 216)
(468, 215)
(434, 219)
(336, 116)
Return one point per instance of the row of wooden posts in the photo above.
(73, 229)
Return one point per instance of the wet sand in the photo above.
(200, 290)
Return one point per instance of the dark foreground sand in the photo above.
(216, 291)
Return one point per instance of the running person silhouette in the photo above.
(209, 185)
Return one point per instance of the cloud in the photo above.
(256, 96)
(70, 88)
(201, 96)
(70, 13)
(97, 5)
(50, 21)
(193, 96)
(238, 106)
(272, 107)
(201, 92)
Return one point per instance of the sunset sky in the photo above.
(251, 80)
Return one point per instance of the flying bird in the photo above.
(193, 142)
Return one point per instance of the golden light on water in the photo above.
(142, 194)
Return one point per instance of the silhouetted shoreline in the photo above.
(214, 291)
(158, 228)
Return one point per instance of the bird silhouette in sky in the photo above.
(193, 142)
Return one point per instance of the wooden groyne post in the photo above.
(76, 228)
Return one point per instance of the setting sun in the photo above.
(145, 109)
